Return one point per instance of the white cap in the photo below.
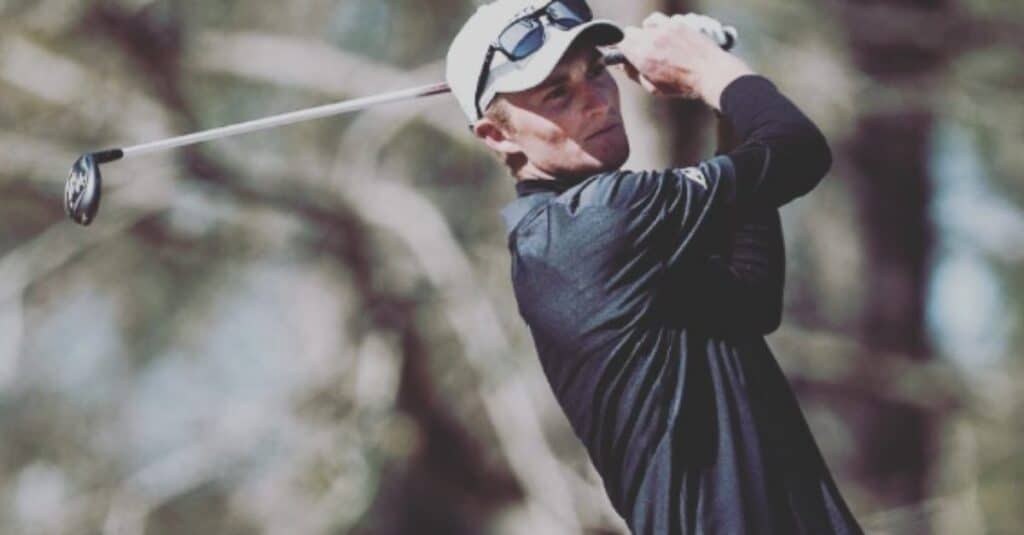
(468, 51)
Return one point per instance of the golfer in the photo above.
(648, 294)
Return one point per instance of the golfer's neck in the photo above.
(529, 171)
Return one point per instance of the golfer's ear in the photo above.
(496, 137)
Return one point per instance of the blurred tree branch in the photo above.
(824, 360)
(33, 158)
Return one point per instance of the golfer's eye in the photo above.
(596, 70)
(556, 93)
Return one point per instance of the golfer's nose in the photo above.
(597, 98)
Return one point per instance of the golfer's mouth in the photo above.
(604, 131)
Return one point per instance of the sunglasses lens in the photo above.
(524, 36)
(569, 13)
(522, 39)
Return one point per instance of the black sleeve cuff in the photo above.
(745, 97)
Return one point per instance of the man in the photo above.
(648, 294)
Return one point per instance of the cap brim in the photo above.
(515, 76)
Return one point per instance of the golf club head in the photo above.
(82, 190)
(84, 184)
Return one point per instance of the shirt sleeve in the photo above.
(665, 212)
(646, 239)
(781, 155)
(715, 226)
(740, 289)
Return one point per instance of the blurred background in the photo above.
(311, 330)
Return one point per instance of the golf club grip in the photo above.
(614, 57)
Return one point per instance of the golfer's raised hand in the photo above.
(671, 56)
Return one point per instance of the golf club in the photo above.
(83, 188)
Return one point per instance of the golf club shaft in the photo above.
(612, 57)
(284, 119)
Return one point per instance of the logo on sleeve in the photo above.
(695, 174)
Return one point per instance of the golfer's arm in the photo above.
(747, 281)
(777, 154)
(741, 289)
(781, 154)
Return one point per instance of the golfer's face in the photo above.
(570, 125)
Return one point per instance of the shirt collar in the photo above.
(532, 192)
(515, 211)
(530, 186)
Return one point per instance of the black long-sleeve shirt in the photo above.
(741, 284)
(647, 295)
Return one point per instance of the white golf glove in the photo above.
(708, 26)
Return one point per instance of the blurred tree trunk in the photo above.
(690, 118)
(893, 189)
(673, 131)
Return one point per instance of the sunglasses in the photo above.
(526, 35)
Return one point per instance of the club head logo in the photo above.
(82, 190)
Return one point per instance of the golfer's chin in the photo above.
(607, 152)
(595, 155)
